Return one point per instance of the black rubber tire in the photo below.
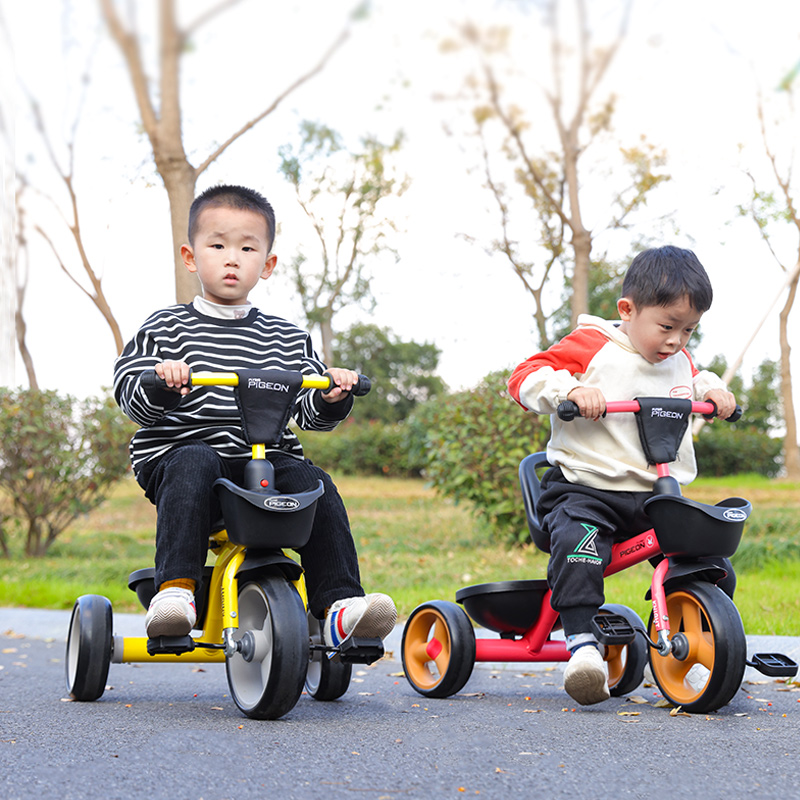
(89, 645)
(626, 663)
(710, 621)
(438, 648)
(269, 686)
(326, 678)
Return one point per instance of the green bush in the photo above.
(724, 449)
(363, 448)
(58, 459)
(473, 442)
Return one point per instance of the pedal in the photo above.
(612, 629)
(170, 645)
(775, 665)
(360, 651)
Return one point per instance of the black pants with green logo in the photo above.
(583, 524)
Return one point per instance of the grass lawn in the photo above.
(416, 546)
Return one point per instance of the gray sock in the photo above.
(577, 640)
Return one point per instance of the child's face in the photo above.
(229, 254)
(658, 332)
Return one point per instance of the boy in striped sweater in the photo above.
(188, 440)
(600, 476)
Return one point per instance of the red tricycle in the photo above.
(695, 640)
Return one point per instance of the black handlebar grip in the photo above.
(567, 411)
(363, 386)
(737, 413)
(149, 380)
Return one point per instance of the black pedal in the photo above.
(611, 629)
(360, 651)
(776, 665)
(170, 645)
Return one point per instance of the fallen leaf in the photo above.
(676, 712)
(662, 703)
(629, 713)
(635, 698)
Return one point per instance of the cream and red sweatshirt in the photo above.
(606, 454)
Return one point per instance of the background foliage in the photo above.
(59, 457)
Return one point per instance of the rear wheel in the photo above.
(626, 662)
(706, 667)
(89, 646)
(326, 678)
(438, 648)
(266, 676)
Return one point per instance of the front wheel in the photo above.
(89, 644)
(626, 662)
(266, 676)
(438, 648)
(326, 678)
(706, 667)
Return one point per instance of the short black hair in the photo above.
(233, 197)
(663, 275)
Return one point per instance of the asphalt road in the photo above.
(172, 731)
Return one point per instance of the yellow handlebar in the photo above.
(232, 379)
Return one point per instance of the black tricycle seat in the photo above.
(505, 607)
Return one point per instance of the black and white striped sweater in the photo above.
(209, 413)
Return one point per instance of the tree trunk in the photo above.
(582, 245)
(180, 185)
(326, 332)
(791, 451)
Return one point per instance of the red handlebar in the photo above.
(568, 410)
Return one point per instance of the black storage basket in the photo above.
(261, 520)
(695, 530)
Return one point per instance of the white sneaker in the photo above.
(172, 612)
(370, 617)
(697, 677)
(585, 679)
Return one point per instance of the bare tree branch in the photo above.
(342, 38)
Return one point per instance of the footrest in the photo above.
(776, 665)
(172, 645)
(612, 629)
(360, 651)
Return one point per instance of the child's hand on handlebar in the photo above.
(345, 380)
(590, 401)
(175, 374)
(723, 400)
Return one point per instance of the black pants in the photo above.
(583, 524)
(179, 484)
